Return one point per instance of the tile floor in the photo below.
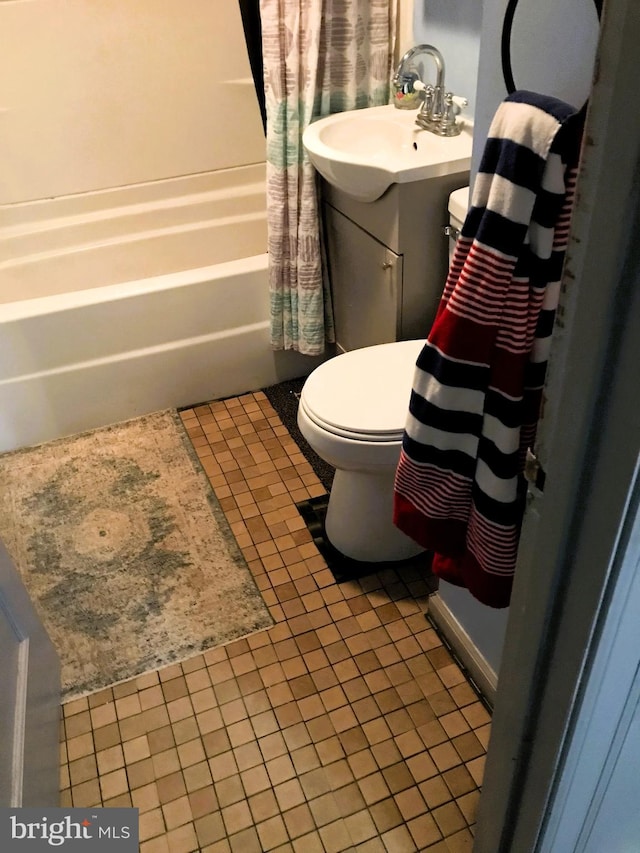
(344, 727)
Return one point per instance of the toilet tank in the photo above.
(458, 206)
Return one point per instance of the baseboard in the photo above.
(477, 667)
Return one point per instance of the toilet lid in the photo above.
(363, 393)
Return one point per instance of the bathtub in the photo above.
(123, 302)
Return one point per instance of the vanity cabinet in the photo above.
(387, 259)
(366, 283)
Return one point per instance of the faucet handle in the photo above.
(452, 107)
(427, 105)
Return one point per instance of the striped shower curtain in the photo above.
(320, 57)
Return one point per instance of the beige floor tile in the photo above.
(344, 726)
(80, 746)
(460, 842)
(203, 801)
(78, 724)
(424, 831)
(110, 759)
(86, 794)
(151, 824)
(146, 798)
(272, 833)
(83, 770)
(183, 839)
(399, 840)
(386, 815)
(114, 783)
(156, 845)
(136, 749)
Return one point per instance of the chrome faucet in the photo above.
(439, 108)
(405, 78)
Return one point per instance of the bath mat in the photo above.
(125, 550)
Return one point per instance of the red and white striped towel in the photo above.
(478, 382)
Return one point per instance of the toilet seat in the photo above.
(363, 395)
(353, 435)
(352, 412)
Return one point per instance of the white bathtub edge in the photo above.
(43, 408)
(25, 308)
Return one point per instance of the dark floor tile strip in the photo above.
(314, 511)
(284, 398)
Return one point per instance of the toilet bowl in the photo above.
(352, 411)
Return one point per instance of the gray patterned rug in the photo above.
(125, 551)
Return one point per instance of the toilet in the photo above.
(458, 207)
(352, 411)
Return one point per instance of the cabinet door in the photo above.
(366, 284)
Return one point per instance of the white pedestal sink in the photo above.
(363, 152)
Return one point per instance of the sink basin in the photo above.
(363, 152)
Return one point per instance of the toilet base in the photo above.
(359, 518)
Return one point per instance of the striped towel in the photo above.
(477, 390)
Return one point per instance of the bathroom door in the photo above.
(561, 772)
(29, 699)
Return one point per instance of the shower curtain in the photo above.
(320, 57)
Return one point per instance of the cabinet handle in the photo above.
(387, 265)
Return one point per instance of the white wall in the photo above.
(454, 28)
(105, 94)
(553, 48)
(552, 52)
